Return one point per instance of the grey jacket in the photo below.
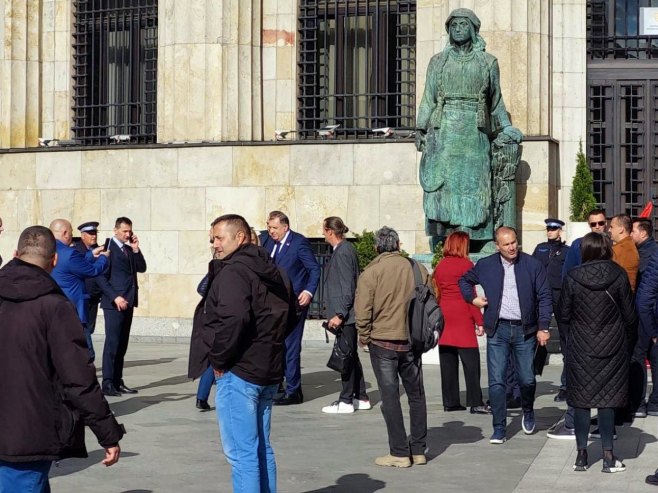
(340, 282)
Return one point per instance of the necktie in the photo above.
(277, 249)
(124, 250)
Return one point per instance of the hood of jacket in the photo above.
(22, 281)
(596, 275)
(257, 259)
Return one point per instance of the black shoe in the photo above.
(641, 411)
(289, 399)
(125, 389)
(449, 409)
(581, 461)
(480, 409)
(561, 396)
(110, 391)
(203, 405)
(513, 403)
(613, 465)
(653, 479)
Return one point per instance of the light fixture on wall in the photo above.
(328, 132)
(282, 134)
(45, 142)
(385, 131)
(119, 138)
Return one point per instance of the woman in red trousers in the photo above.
(463, 323)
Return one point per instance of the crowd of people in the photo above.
(248, 327)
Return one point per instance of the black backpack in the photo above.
(424, 318)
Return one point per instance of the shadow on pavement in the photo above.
(147, 362)
(71, 466)
(178, 380)
(439, 438)
(351, 483)
(135, 404)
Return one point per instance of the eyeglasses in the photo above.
(552, 228)
(596, 223)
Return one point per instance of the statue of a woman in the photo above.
(461, 114)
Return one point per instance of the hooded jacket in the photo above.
(49, 386)
(597, 304)
(244, 318)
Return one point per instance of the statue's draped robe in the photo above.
(462, 110)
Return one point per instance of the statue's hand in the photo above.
(513, 133)
(421, 140)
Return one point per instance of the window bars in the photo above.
(356, 66)
(115, 54)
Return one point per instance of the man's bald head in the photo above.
(62, 230)
(36, 245)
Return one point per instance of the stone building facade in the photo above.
(225, 76)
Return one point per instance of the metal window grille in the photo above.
(613, 30)
(115, 70)
(357, 66)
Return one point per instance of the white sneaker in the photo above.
(338, 407)
(360, 405)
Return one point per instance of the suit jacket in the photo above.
(93, 290)
(340, 281)
(70, 273)
(297, 260)
(120, 278)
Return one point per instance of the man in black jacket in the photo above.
(49, 387)
(247, 310)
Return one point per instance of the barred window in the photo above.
(614, 30)
(357, 66)
(115, 71)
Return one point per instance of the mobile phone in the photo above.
(130, 237)
(106, 246)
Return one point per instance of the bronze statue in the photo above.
(470, 148)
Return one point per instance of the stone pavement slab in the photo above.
(172, 447)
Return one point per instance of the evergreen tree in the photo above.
(582, 189)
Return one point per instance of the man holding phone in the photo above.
(119, 286)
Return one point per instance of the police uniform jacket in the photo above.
(552, 254)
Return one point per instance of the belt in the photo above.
(511, 322)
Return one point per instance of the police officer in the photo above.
(552, 253)
(89, 241)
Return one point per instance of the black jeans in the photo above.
(582, 419)
(644, 348)
(449, 357)
(389, 367)
(354, 386)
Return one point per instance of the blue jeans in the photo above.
(510, 339)
(205, 384)
(244, 413)
(25, 477)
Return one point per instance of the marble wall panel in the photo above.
(280, 199)
(134, 203)
(385, 164)
(18, 171)
(171, 295)
(363, 208)
(314, 203)
(160, 249)
(153, 168)
(322, 165)
(56, 204)
(401, 207)
(194, 252)
(261, 165)
(249, 202)
(86, 207)
(180, 209)
(9, 210)
(205, 166)
(55, 170)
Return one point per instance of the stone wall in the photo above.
(172, 193)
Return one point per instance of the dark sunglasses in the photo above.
(596, 223)
(552, 228)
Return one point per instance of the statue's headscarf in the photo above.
(478, 43)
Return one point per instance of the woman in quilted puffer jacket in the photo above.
(597, 304)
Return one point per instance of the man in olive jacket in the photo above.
(382, 297)
(49, 389)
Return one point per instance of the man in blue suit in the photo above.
(119, 298)
(292, 252)
(73, 268)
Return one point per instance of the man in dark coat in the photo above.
(647, 308)
(246, 313)
(49, 387)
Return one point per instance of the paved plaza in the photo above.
(172, 447)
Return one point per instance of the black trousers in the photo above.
(354, 386)
(117, 334)
(644, 348)
(449, 357)
(389, 367)
(92, 313)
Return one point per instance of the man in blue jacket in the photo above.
(292, 252)
(73, 268)
(517, 312)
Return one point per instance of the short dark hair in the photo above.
(283, 219)
(387, 240)
(596, 246)
(38, 243)
(625, 221)
(236, 222)
(644, 224)
(122, 220)
(595, 212)
(336, 224)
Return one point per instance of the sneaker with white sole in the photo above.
(612, 466)
(528, 422)
(561, 432)
(338, 407)
(361, 405)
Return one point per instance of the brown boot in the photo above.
(391, 460)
